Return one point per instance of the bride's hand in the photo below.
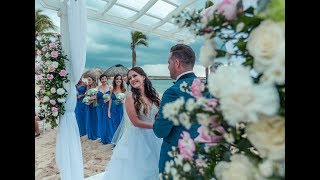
(109, 114)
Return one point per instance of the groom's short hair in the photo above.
(184, 53)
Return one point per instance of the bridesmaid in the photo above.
(91, 112)
(115, 111)
(104, 122)
(80, 107)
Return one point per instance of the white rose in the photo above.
(266, 168)
(55, 114)
(60, 91)
(55, 64)
(228, 77)
(61, 100)
(264, 43)
(244, 103)
(46, 99)
(276, 73)
(268, 137)
(207, 53)
(53, 90)
(47, 55)
(240, 168)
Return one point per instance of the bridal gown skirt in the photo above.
(135, 157)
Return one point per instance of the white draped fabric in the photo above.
(73, 39)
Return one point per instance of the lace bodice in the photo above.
(150, 115)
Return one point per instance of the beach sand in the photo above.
(95, 155)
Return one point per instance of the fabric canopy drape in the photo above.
(73, 23)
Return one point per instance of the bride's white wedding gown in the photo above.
(136, 154)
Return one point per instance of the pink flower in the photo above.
(52, 45)
(209, 140)
(38, 52)
(51, 68)
(37, 66)
(228, 8)
(197, 88)
(63, 72)
(54, 109)
(39, 77)
(44, 48)
(54, 54)
(186, 146)
(211, 104)
(49, 76)
(53, 102)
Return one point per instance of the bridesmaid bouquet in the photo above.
(106, 97)
(86, 99)
(92, 97)
(120, 97)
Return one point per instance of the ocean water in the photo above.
(161, 85)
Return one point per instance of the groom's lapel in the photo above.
(186, 76)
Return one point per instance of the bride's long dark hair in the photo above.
(149, 91)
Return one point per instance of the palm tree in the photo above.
(43, 24)
(137, 38)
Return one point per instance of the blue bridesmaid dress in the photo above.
(116, 112)
(105, 128)
(80, 111)
(92, 122)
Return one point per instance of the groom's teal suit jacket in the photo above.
(164, 128)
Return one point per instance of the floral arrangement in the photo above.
(91, 97)
(120, 96)
(50, 75)
(241, 115)
(106, 97)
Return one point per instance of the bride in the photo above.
(137, 150)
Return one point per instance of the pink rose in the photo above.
(54, 109)
(52, 45)
(186, 146)
(44, 48)
(53, 102)
(38, 52)
(49, 76)
(51, 68)
(39, 77)
(37, 66)
(228, 8)
(197, 88)
(63, 72)
(54, 54)
(209, 140)
(211, 104)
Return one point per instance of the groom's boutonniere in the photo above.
(185, 87)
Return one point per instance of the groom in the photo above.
(181, 62)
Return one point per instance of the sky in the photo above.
(108, 45)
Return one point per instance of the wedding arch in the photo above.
(148, 16)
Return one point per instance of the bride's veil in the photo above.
(123, 126)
